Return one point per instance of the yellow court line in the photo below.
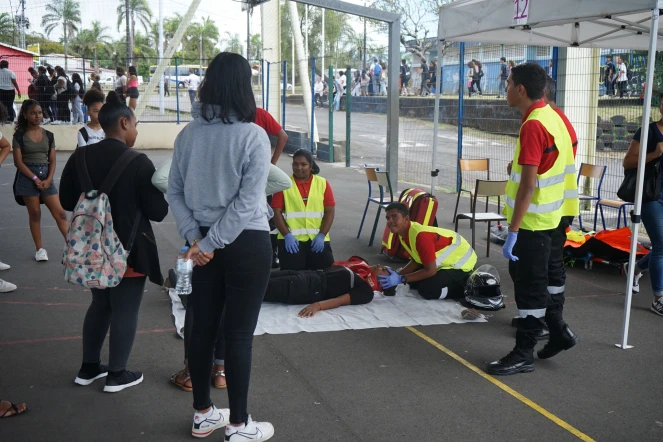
(536, 407)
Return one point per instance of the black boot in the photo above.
(521, 358)
(558, 342)
(542, 335)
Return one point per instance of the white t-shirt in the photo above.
(622, 72)
(93, 136)
(6, 77)
(342, 80)
(121, 82)
(319, 87)
(193, 81)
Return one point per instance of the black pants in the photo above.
(64, 114)
(451, 279)
(530, 272)
(622, 86)
(115, 308)
(305, 259)
(557, 278)
(235, 280)
(476, 83)
(7, 98)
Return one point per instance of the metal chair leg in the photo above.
(375, 225)
(457, 202)
(361, 225)
(596, 214)
(602, 216)
(488, 240)
(473, 233)
(580, 221)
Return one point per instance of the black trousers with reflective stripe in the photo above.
(530, 273)
(556, 273)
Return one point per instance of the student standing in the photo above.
(7, 85)
(405, 77)
(132, 87)
(442, 260)
(121, 82)
(63, 94)
(53, 106)
(5, 149)
(92, 132)
(192, 82)
(135, 202)
(44, 91)
(502, 76)
(76, 109)
(216, 189)
(34, 158)
(609, 76)
(538, 196)
(622, 77)
(95, 83)
(425, 89)
(304, 215)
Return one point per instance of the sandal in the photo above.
(13, 407)
(219, 375)
(184, 372)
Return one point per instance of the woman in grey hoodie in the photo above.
(216, 190)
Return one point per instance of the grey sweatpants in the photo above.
(117, 309)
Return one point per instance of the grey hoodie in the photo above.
(217, 180)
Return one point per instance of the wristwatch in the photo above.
(403, 279)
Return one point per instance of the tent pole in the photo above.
(641, 176)
(436, 115)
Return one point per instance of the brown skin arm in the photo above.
(5, 148)
(18, 162)
(631, 158)
(524, 196)
(18, 90)
(51, 170)
(281, 139)
(414, 272)
(279, 221)
(327, 220)
(310, 310)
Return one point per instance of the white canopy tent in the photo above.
(632, 24)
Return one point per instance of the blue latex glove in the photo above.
(507, 249)
(392, 280)
(291, 243)
(318, 243)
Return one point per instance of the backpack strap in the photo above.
(51, 139)
(127, 157)
(84, 133)
(18, 137)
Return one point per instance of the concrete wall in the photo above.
(150, 136)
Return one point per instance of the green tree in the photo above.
(138, 10)
(89, 42)
(46, 46)
(65, 13)
(206, 33)
(8, 32)
(233, 43)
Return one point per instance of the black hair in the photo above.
(111, 112)
(31, 69)
(93, 96)
(22, 122)
(60, 72)
(315, 169)
(4, 64)
(503, 59)
(3, 113)
(532, 76)
(550, 89)
(226, 89)
(341, 73)
(75, 78)
(403, 61)
(119, 70)
(132, 70)
(50, 69)
(41, 69)
(402, 208)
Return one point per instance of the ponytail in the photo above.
(315, 169)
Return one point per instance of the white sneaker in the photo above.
(6, 287)
(255, 431)
(204, 426)
(636, 279)
(4, 266)
(41, 255)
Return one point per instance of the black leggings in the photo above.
(305, 259)
(116, 308)
(235, 280)
(7, 98)
(451, 279)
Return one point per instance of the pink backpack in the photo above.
(93, 255)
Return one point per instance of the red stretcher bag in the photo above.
(423, 209)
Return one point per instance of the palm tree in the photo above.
(138, 9)
(65, 13)
(206, 33)
(89, 42)
(7, 28)
(233, 43)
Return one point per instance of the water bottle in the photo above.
(184, 269)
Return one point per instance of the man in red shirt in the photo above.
(265, 120)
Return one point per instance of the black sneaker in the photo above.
(125, 380)
(514, 362)
(84, 378)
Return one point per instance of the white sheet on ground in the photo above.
(404, 309)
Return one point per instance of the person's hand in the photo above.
(38, 183)
(199, 258)
(19, 95)
(318, 243)
(508, 168)
(390, 281)
(310, 310)
(291, 244)
(43, 185)
(659, 149)
(507, 249)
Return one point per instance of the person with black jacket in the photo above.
(44, 91)
(133, 199)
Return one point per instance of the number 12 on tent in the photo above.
(520, 11)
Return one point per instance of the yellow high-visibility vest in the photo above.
(556, 191)
(457, 255)
(305, 220)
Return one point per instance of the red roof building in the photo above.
(19, 62)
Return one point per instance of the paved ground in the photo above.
(370, 385)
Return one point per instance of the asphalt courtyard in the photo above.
(395, 384)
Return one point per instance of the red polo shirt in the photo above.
(278, 201)
(428, 244)
(265, 120)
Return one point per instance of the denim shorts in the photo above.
(26, 187)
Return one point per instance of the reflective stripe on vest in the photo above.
(304, 221)
(457, 255)
(408, 199)
(556, 192)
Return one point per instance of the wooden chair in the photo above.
(484, 189)
(590, 171)
(471, 166)
(382, 181)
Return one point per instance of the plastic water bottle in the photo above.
(184, 269)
